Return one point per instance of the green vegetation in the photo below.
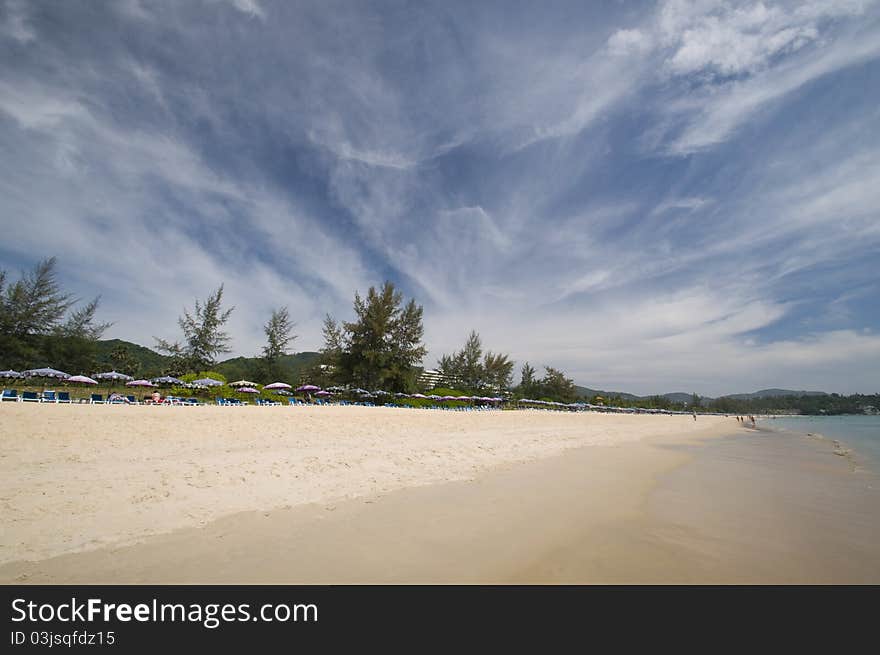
(203, 336)
(279, 334)
(37, 326)
(553, 386)
(380, 349)
(470, 370)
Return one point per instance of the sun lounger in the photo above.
(10, 395)
(30, 397)
(133, 400)
(63, 397)
(96, 399)
(49, 397)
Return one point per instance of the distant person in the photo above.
(695, 416)
(116, 397)
(157, 397)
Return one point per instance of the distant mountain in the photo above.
(589, 393)
(682, 397)
(773, 393)
(151, 363)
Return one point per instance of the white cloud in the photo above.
(345, 149)
(250, 7)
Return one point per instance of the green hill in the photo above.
(586, 392)
(291, 366)
(149, 362)
(145, 362)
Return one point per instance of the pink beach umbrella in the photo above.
(85, 379)
(277, 385)
(248, 390)
(308, 387)
(139, 383)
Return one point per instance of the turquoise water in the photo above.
(860, 433)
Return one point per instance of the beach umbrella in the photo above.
(10, 374)
(400, 394)
(166, 379)
(283, 392)
(418, 395)
(323, 393)
(248, 390)
(139, 383)
(380, 392)
(209, 382)
(277, 385)
(113, 376)
(308, 387)
(337, 388)
(243, 383)
(82, 378)
(45, 373)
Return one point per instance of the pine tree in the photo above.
(204, 338)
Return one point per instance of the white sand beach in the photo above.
(378, 495)
(80, 477)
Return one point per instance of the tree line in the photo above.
(380, 348)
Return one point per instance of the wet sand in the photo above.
(752, 507)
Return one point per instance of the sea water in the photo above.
(860, 433)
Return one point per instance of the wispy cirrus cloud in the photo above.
(679, 195)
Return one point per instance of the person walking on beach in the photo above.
(695, 416)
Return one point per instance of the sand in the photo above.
(77, 477)
(369, 495)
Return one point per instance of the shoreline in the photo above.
(721, 504)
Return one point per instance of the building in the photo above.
(430, 378)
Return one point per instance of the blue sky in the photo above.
(652, 196)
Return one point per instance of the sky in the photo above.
(653, 196)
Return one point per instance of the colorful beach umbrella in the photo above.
(166, 379)
(85, 379)
(113, 375)
(209, 382)
(323, 393)
(308, 387)
(248, 390)
(242, 383)
(278, 385)
(46, 373)
(139, 383)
